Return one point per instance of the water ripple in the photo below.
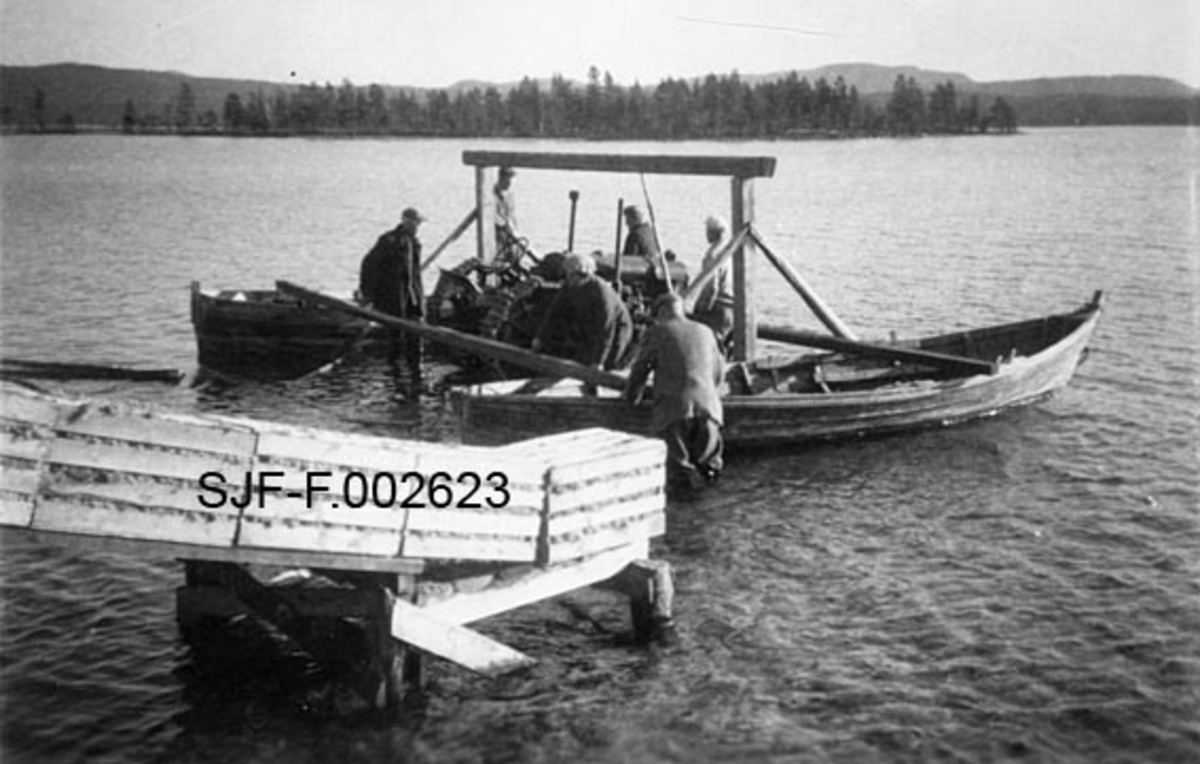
(1021, 588)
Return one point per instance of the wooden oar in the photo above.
(662, 256)
(526, 359)
(950, 363)
(819, 308)
(574, 195)
(723, 257)
(453, 237)
(20, 368)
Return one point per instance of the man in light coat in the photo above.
(688, 372)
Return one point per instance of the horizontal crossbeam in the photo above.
(661, 164)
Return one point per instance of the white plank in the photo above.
(22, 406)
(16, 509)
(613, 537)
(592, 438)
(481, 462)
(467, 522)
(18, 480)
(431, 545)
(412, 625)
(280, 558)
(375, 454)
(176, 432)
(646, 455)
(120, 457)
(612, 513)
(284, 508)
(318, 537)
(541, 584)
(24, 445)
(599, 494)
(64, 515)
(521, 498)
(182, 496)
(629, 529)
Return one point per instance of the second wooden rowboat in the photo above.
(266, 333)
(794, 399)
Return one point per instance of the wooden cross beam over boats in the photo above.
(741, 172)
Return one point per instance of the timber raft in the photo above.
(490, 530)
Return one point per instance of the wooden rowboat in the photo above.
(793, 399)
(269, 333)
(266, 333)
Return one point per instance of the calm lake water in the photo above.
(1025, 588)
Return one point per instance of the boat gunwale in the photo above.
(1084, 320)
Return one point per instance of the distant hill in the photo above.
(872, 79)
(94, 95)
(1124, 86)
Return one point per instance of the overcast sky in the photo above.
(435, 43)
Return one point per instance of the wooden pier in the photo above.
(303, 528)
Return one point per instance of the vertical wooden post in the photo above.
(202, 603)
(651, 591)
(482, 219)
(396, 666)
(387, 656)
(196, 573)
(744, 321)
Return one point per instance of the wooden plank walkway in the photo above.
(424, 538)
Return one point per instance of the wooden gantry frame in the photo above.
(738, 253)
(741, 172)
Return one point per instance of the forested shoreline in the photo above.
(714, 107)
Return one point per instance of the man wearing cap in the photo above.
(505, 204)
(587, 322)
(390, 278)
(714, 305)
(688, 372)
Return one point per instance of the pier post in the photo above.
(397, 666)
(216, 591)
(651, 591)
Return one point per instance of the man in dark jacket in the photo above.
(587, 322)
(640, 240)
(390, 279)
(688, 372)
